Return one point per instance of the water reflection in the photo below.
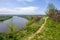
(17, 21)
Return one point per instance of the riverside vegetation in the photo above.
(2, 18)
(15, 34)
(51, 30)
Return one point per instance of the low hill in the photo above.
(51, 31)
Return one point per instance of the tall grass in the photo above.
(50, 31)
(14, 34)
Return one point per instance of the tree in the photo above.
(53, 13)
(51, 6)
(50, 9)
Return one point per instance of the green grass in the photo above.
(2, 18)
(24, 32)
(27, 17)
(28, 30)
(51, 31)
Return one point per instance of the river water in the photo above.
(15, 20)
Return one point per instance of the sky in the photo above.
(26, 7)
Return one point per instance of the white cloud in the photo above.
(23, 10)
(25, 0)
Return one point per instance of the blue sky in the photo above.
(26, 7)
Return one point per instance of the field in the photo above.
(50, 30)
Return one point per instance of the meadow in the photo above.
(50, 31)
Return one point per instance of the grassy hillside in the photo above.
(23, 32)
(51, 31)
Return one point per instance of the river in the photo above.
(15, 20)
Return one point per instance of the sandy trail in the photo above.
(38, 31)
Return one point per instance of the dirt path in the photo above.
(38, 31)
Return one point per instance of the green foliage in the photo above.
(29, 22)
(32, 28)
(51, 6)
(14, 34)
(53, 13)
(3, 36)
(2, 18)
(50, 9)
(28, 17)
(33, 19)
(50, 31)
(11, 27)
